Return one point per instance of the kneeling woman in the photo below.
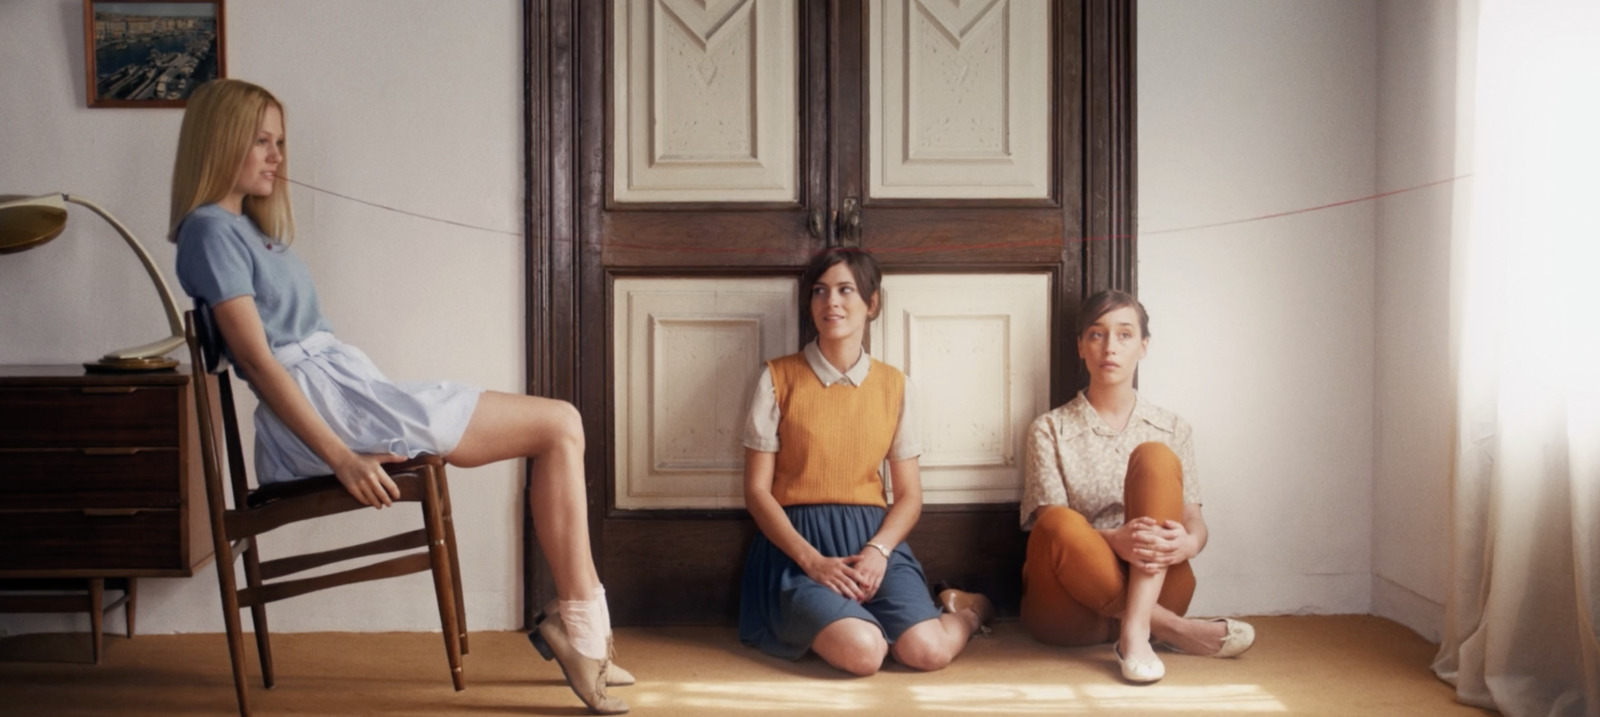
(830, 571)
(1114, 505)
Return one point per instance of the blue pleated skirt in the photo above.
(370, 413)
(781, 610)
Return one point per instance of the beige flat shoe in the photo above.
(1139, 670)
(585, 675)
(616, 676)
(1241, 635)
(954, 601)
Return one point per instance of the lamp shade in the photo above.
(32, 221)
(24, 226)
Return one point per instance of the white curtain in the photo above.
(1521, 631)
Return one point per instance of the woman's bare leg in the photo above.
(549, 433)
(931, 644)
(1143, 589)
(1196, 637)
(853, 645)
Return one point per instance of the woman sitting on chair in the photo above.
(830, 570)
(325, 408)
(1113, 501)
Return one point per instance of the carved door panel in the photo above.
(688, 156)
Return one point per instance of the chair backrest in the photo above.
(211, 345)
(218, 419)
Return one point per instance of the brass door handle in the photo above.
(850, 223)
(815, 225)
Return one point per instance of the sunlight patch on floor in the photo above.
(1067, 699)
(751, 696)
(840, 696)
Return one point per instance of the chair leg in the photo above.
(443, 583)
(97, 601)
(455, 559)
(258, 617)
(230, 618)
(133, 602)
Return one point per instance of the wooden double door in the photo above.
(684, 160)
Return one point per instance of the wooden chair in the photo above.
(258, 510)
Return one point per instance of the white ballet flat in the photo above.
(1142, 670)
(1241, 635)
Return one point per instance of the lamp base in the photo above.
(129, 365)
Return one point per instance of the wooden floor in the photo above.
(1317, 665)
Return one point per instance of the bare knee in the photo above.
(920, 650)
(855, 646)
(567, 428)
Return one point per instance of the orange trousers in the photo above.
(1073, 584)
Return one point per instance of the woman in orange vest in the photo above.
(830, 570)
(1113, 502)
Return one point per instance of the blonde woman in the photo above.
(325, 408)
(1113, 502)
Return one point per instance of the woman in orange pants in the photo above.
(1113, 503)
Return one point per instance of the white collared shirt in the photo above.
(761, 428)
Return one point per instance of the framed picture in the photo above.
(151, 54)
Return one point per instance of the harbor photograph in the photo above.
(151, 54)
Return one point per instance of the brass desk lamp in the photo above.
(28, 222)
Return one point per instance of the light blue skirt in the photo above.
(370, 413)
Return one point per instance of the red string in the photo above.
(920, 249)
(1046, 244)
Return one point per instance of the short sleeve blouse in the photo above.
(1074, 459)
(222, 255)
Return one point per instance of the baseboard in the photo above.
(1341, 594)
(1401, 604)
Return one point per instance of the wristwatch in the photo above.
(880, 548)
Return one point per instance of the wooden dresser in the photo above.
(99, 479)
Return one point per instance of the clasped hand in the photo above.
(363, 475)
(856, 577)
(1152, 546)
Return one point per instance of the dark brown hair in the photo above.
(1107, 301)
(862, 266)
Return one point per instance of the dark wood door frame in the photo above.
(562, 334)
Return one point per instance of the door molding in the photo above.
(1100, 185)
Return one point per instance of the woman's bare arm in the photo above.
(240, 324)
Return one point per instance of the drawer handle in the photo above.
(111, 512)
(109, 389)
(111, 451)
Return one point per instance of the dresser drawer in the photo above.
(79, 540)
(90, 478)
(78, 416)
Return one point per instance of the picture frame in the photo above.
(142, 53)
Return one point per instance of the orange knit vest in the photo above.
(833, 440)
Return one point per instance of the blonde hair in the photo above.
(219, 124)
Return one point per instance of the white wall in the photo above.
(1415, 399)
(1263, 332)
(1281, 340)
(407, 103)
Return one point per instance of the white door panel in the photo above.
(959, 99)
(705, 99)
(977, 348)
(687, 354)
